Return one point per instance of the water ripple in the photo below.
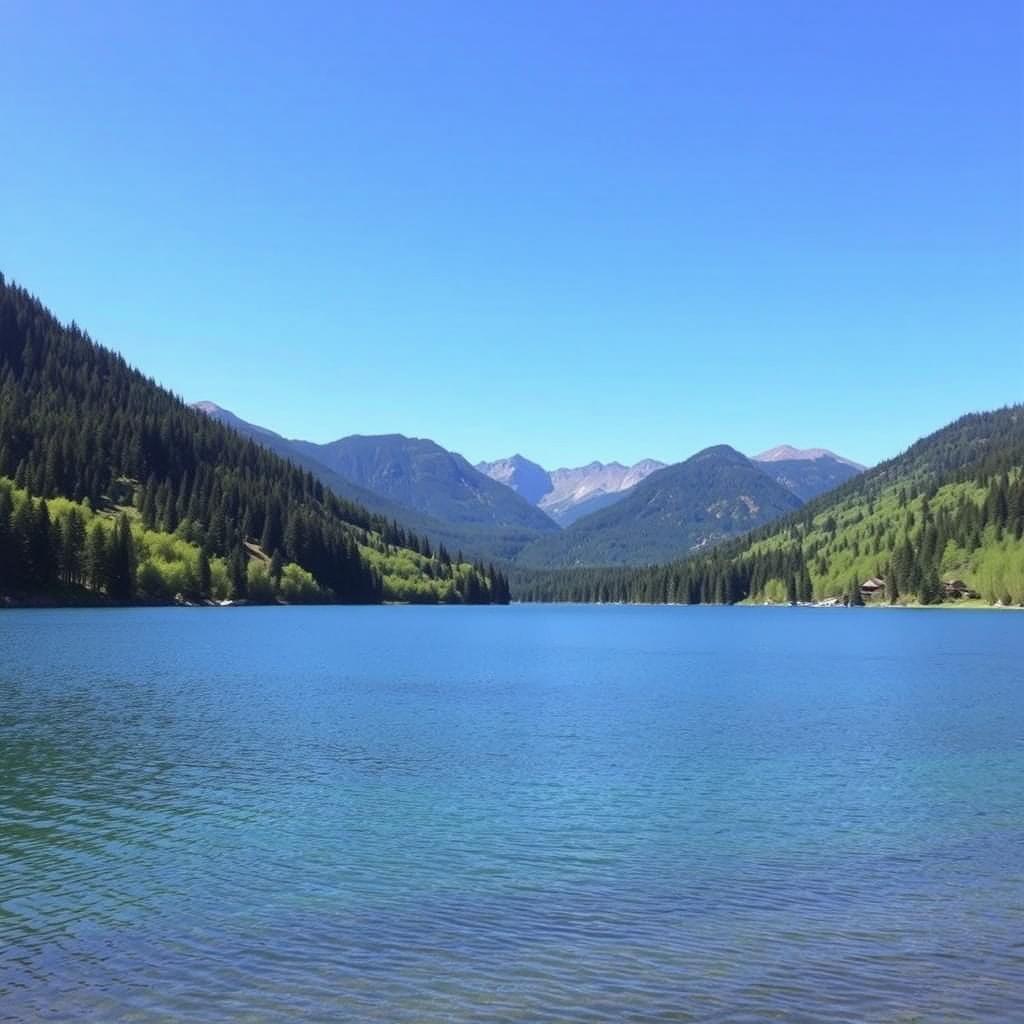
(530, 814)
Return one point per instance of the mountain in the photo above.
(112, 489)
(577, 492)
(526, 478)
(787, 453)
(420, 474)
(715, 494)
(505, 509)
(942, 520)
(414, 482)
(568, 494)
(339, 485)
(807, 472)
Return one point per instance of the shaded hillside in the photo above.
(483, 539)
(807, 478)
(419, 474)
(713, 495)
(289, 450)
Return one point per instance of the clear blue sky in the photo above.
(575, 230)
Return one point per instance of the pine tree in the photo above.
(147, 505)
(96, 563)
(121, 561)
(43, 553)
(203, 573)
(72, 547)
(276, 567)
(239, 576)
(270, 540)
(930, 591)
(892, 590)
(8, 552)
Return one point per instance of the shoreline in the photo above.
(48, 603)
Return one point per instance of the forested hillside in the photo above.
(948, 511)
(420, 474)
(496, 529)
(138, 466)
(715, 494)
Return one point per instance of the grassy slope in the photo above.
(867, 532)
(854, 530)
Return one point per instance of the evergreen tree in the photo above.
(121, 561)
(72, 556)
(892, 590)
(270, 540)
(276, 567)
(203, 574)
(96, 562)
(239, 575)
(43, 551)
(7, 549)
(930, 591)
(806, 589)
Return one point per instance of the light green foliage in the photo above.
(220, 580)
(298, 585)
(854, 541)
(167, 565)
(403, 573)
(411, 577)
(260, 585)
(997, 571)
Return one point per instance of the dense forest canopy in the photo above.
(78, 423)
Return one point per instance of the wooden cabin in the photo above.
(956, 589)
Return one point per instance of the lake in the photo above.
(530, 813)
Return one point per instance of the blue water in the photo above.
(511, 814)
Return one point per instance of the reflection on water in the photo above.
(494, 814)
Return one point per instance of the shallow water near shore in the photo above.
(493, 814)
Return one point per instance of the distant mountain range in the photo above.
(568, 494)
(714, 494)
(600, 514)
